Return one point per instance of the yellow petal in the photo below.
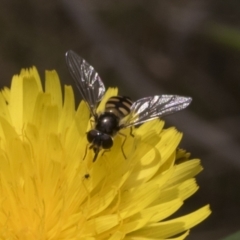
(53, 87)
(175, 226)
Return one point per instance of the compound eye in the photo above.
(107, 141)
(92, 134)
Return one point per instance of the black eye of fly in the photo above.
(107, 141)
(92, 135)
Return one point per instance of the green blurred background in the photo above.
(146, 48)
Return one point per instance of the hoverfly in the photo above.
(119, 112)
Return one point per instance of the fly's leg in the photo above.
(106, 150)
(125, 138)
(131, 132)
(86, 151)
(96, 152)
(92, 122)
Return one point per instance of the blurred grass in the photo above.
(228, 36)
(235, 236)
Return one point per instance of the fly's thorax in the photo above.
(108, 123)
(119, 106)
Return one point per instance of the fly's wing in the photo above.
(146, 109)
(87, 80)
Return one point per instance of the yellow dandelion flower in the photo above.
(48, 191)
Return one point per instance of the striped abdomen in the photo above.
(118, 105)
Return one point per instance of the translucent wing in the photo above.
(87, 80)
(146, 109)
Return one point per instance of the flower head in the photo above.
(51, 189)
